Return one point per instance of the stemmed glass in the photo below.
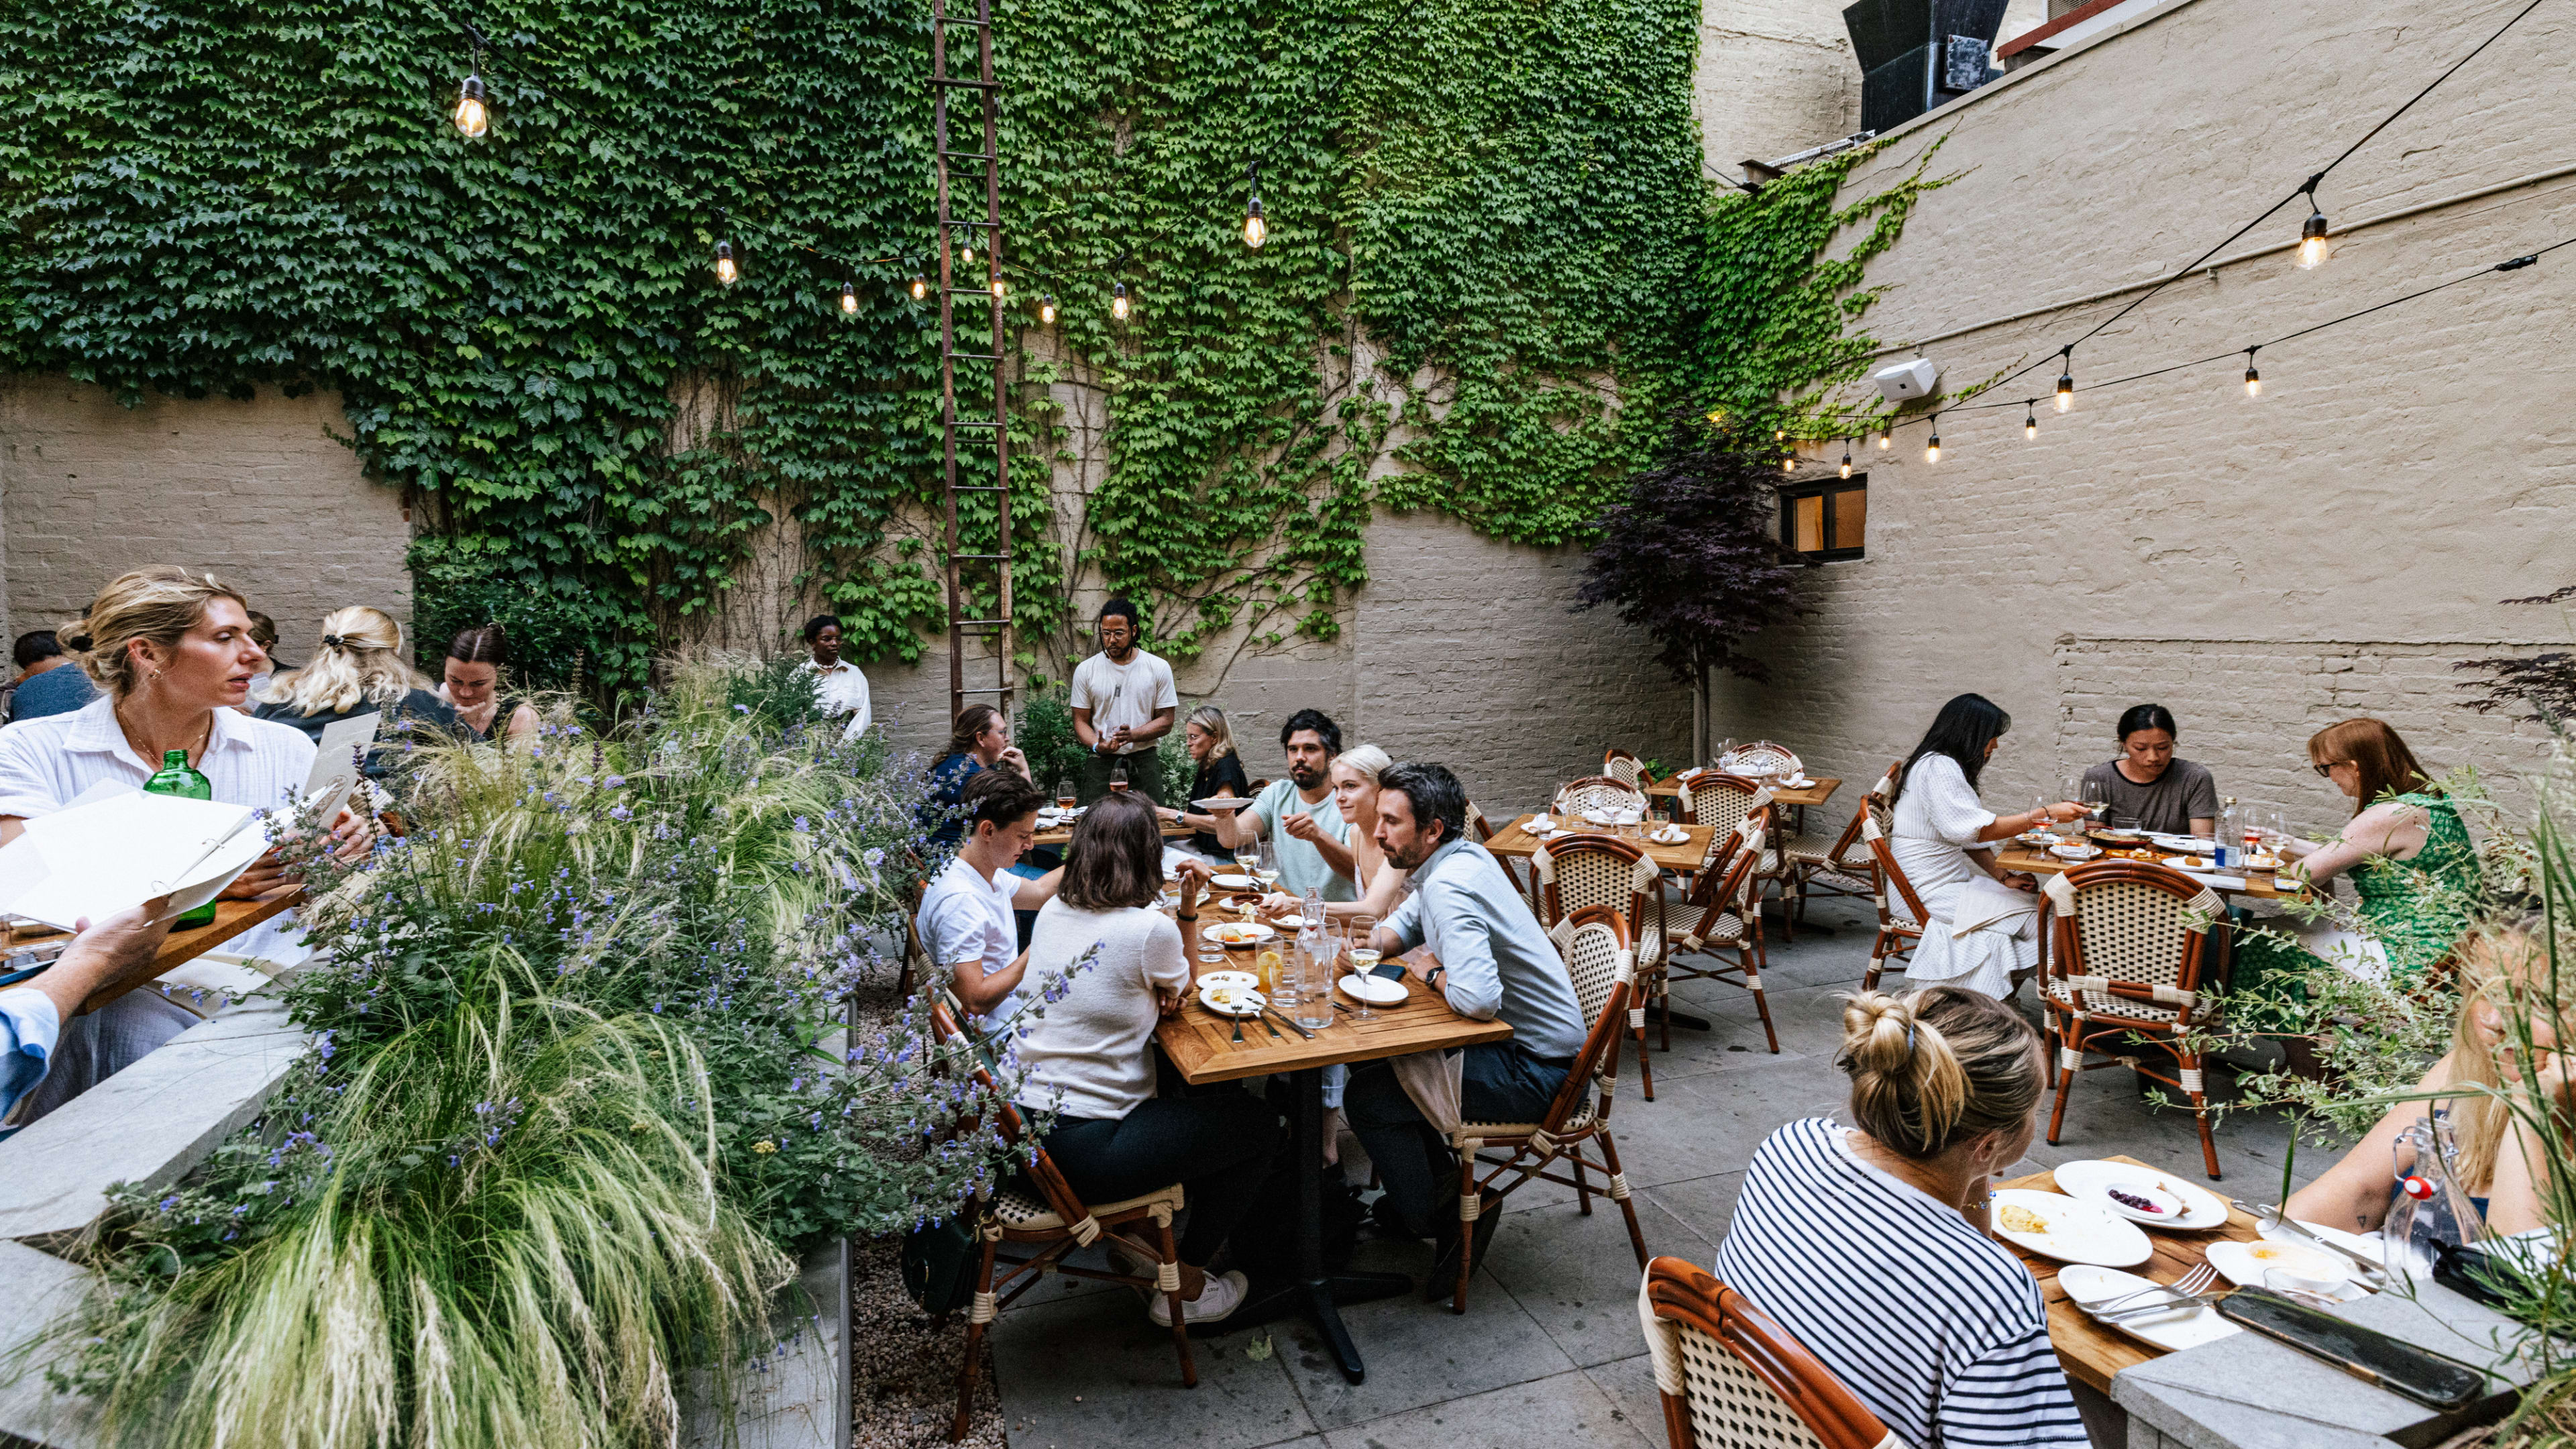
(1265, 866)
(1064, 795)
(1363, 929)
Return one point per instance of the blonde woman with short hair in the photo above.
(360, 670)
(1220, 773)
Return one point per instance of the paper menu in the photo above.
(108, 855)
(335, 763)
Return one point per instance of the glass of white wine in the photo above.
(1265, 866)
(1364, 957)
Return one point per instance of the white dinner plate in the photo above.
(2195, 844)
(1670, 835)
(1234, 883)
(1231, 802)
(2072, 851)
(2370, 1245)
(2244, 1265)
(1232, 1000)
(1228, 978)
(1289, 923)
(1375, 990)
(1540, 822)
(2085, 1284)
(2072, 1232)
(2086, 1182)
(1237, 933)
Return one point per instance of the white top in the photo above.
(965, 917)
(1953, 1346)
(45, 764)
(1089, 1054)
(842, 690)
(1127, 694)
(1937, 820)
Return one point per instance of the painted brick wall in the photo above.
(257, 492)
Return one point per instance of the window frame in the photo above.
(1791, 494)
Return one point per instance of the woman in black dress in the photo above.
(1220, 772)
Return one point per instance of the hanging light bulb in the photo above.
(725, 272)
(472, 117)
(966, 252)
(2253, 379)
(2066, 383)
(1046, 309)
(1932, 449)
(920, 286)
(1118, 301)
(1884, 441)
(1255, 230)
(2314, 244)
(1001, 289)
(2030, 420)
(1779, 435)
(1716, 416)
(849, 300)
(1846, 457)
(1789, 464)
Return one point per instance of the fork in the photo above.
(2190, 1290)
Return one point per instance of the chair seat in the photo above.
(1681, 921)
(1492, 1133)
(1859, 885)
(1802, 850)
(2117, 1006)
(1020, 1213)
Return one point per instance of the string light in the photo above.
(920, 286)
(1789, 464)
(1255, 230)
(725, 272)
(2314, 244)
(2253, 379)
(2030, 420)
(1846, 457)
(1886, 438)
(1716, 416)
(1118, 301)
(1932, 449)
(2066, 380)
(849, 300)
(1779, 435)
(1046, 309)
(472, 117)
(1000, 289)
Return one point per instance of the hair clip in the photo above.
(1909, 1039)
(335, 641)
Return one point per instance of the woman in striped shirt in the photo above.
(1869, 1242)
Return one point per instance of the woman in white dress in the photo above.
(1984, 931)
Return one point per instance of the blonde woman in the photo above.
(1890, 1212)
(1220, 772)
(2502, 1164)
(1357, 774)
(359, 670)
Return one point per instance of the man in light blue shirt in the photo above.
(1495, 962)
(1299, 814)
(32, 1015)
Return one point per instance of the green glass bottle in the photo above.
(177, 777)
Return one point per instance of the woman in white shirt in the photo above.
(1869, 1242)
(1089, 1053)
(1984, 931)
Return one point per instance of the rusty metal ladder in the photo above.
(981, 239)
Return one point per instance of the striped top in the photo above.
(1936, 1327)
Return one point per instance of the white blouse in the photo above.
(1981, 932)
(843, 690)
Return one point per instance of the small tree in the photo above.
(1690, 557)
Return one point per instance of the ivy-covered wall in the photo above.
(1482, 222)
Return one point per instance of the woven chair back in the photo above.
(1730, 1376)
(1625, 768)
(1601, 957)
(1575, 871)
(1598, 792)
(2132, 937)
(1733, 884)
(1762, 757)
(1878, 801)
(1711, 798)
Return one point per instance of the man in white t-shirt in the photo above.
(1123, 703)
(965, 923)
(840, 690)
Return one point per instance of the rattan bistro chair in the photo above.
(1900, 911)
(1627, 769)
(1731, 1378)
(1053, 1225)
(1711, 798)
(1719, 922)
(2132, 942)
(1598, 957)
(1597, 792)
(1575, 872)
(1764, 756)
(1845, 867)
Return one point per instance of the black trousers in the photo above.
(1216, 1144)
(1498, 1083)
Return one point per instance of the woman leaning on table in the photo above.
(172, 652)
(1869, 1242)
(1089, 1053)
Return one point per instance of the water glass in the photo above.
(1314, 1009)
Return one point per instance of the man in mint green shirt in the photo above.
(1299, 816)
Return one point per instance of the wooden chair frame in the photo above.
(1785, 757)
(1845, 868)
(1579, 1116)
(1640, 909)
(1897, 937)
(1716, 809)
(1074, 1226)
(2110, 1017)
(1731, 892)
(1717, 1357)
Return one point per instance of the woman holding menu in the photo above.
(173, 654)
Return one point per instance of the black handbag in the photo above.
(939, 1263)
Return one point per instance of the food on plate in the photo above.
(1220, 996)
(1235, 933)
(2133, 1201)
(2012, 1217)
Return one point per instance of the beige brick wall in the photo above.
(258, 492)
(2262, 567)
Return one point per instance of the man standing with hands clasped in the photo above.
(1123, 701)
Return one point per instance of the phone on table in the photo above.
(2365, 1353)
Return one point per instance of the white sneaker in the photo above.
(1218, 1298)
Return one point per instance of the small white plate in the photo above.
(2075, 852)
(1237, 933)
(2085, 1284)
(1375, 990)
(1234, 883)
(1232, 1000)
(1670, 835)
(2196, 844)
(2370, 1246)
(1541, 822)
(1289, 923)
(2244, 1265)
(1229, 802)
(2192, 862)
(2074, 1232)
(2085, 1182)
(1799, 782)
(1227, 978)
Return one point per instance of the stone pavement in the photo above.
(1549, 1349)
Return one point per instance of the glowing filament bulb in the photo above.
(920, 286)
(471, 116)
(1000, 289)
(1716, 416)
(849, 300)
(966, 254)
(1846, 457)
(1884, 441)
(1932, 449)
(1789, 465)
(725, 271)
(2066, 389)
(1255, 230)
(2253, 379)
(1046, 309)
(1118, 301)
(2314, 244)
(2030, 422)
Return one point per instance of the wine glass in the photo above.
(1363, 953)
(1118, 778)
(1064, 796)
(1265, 866)
(2095, 799)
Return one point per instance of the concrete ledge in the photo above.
(35, 1289)
(798, 1397)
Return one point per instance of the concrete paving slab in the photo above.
(1420, 1353)
(1094, 1371)
(1629, 1383)
(1583, 1296)
(1701, 1204)
(1567, 1408)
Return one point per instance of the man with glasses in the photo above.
(1123, 702)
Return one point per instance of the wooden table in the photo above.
(1064, 836)
(1817, 790)
(2090, 1352)
(1202, 1048)
(232, 918)
(2013, 855)
(1515, 842)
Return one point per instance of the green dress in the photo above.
(2415, 909)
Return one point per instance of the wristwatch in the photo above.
(1431, 978)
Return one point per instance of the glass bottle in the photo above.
(2430, 1209)
(177, 777)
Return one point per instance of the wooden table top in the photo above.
(1515, 842)
(1816, 791)
(1201, 1043)
(2013, 855)
(1064, 836)
(232, 918)
(2090, 1352)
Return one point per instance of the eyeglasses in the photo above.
(2326, 770)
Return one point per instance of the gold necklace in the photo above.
(205, 736)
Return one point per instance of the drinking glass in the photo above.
(2093, 797)
(1247, 858)
(1064, 794)
(1315, 984)
(1363, 957)
(1118, 778)
(1211, 956)
(1280, 979)
(1266, 865)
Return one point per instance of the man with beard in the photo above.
(1495, 961)
(1299, 814)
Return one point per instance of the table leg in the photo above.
(1314, 1292)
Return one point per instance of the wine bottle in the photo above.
(177, 777)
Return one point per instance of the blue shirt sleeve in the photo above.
(1406, 923)
(1473, 981)
(29, 1027)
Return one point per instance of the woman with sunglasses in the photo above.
(2410, 860)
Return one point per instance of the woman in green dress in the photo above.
(2411, 862)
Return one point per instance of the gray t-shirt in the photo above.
(2168, 806)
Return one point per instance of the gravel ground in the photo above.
(903, 1372)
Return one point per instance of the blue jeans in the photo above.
(1498, 1083)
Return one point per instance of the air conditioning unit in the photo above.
(1918, 54)
(1906, 381)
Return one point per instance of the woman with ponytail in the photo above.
(1868, 1242)
(358, 670)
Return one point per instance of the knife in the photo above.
(1273, 1014)
(2299, 1230)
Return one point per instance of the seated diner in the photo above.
(1984, 931)
(979, 741)
(472, 686)
(966, 921)
(2148, 783)
(1220, 773)
(1298, 815)
(358, 670)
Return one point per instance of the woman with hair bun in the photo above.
(358, 670)
(1869, 1242)
(472, 686)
